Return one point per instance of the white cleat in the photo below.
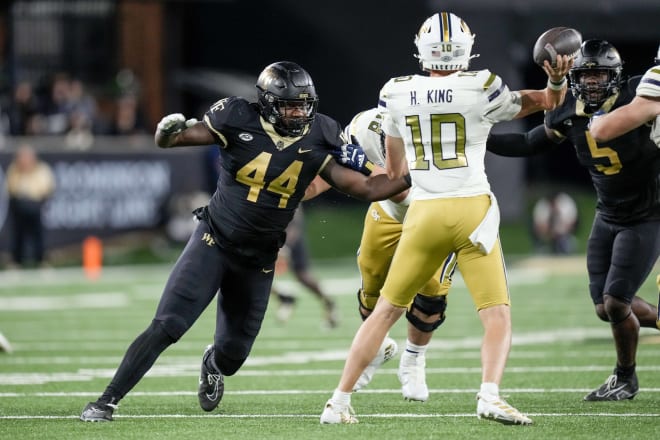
(495, 408)
(412, 375)
(5, 345)
(388, 349)
(334, 413)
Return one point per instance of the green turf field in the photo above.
(69, 334)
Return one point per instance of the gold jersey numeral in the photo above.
(606, 152)
(253, 175)
(447, 141)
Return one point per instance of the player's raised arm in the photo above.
(553, 51)
(175, 130)
(553, 95)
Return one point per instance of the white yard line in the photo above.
(316, 416)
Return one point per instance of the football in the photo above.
(556, 41)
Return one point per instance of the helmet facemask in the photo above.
(291, 116)
(594, 86)
(287, 98)
(596, 73)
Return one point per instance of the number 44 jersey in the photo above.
(444, 122)
(262, 175)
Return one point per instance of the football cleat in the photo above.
(97, 412)
(5, 345)
(334, 413)
(412, 375)
(495, 408)
(387, 351)
(211, 383)
(285, 308)
(614, 389)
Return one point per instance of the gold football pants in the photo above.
(432, 230)
(380, 237)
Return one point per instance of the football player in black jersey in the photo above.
(271, 152)
(625, 236)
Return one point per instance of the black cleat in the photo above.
(614, 389)
(97, 412)
(211, 383)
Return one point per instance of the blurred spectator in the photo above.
(57, 106)
(81, 102)
(30, 182)
(128, 118)
(22, 108)
(79, 136)
(554, 223)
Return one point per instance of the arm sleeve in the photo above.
(530, 143)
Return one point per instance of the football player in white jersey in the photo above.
(436, 127)
(380, 236)
(644, 107)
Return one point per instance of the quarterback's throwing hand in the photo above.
(354, 157)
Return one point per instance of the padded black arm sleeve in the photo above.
(530, 143)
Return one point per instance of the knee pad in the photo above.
(175, 326)
(600, 312)
(616, 309)
(429, 305)
(227, 366)
(361, 305)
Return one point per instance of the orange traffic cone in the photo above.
(92, 257)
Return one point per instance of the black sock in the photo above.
(625, 372)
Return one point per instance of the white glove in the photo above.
(595, 116)
(174, 123)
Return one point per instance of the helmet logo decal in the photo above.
(246, 137)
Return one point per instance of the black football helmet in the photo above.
(285, 85)
(596, 73)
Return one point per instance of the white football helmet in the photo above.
(444, 42)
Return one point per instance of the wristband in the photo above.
(556, 86)
(369, 167)
(408, 179)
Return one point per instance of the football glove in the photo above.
(174, 123)
(595, 116)
(353, 156)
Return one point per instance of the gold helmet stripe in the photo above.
(445, 26)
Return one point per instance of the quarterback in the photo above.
(380, 236)
(436, 128)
